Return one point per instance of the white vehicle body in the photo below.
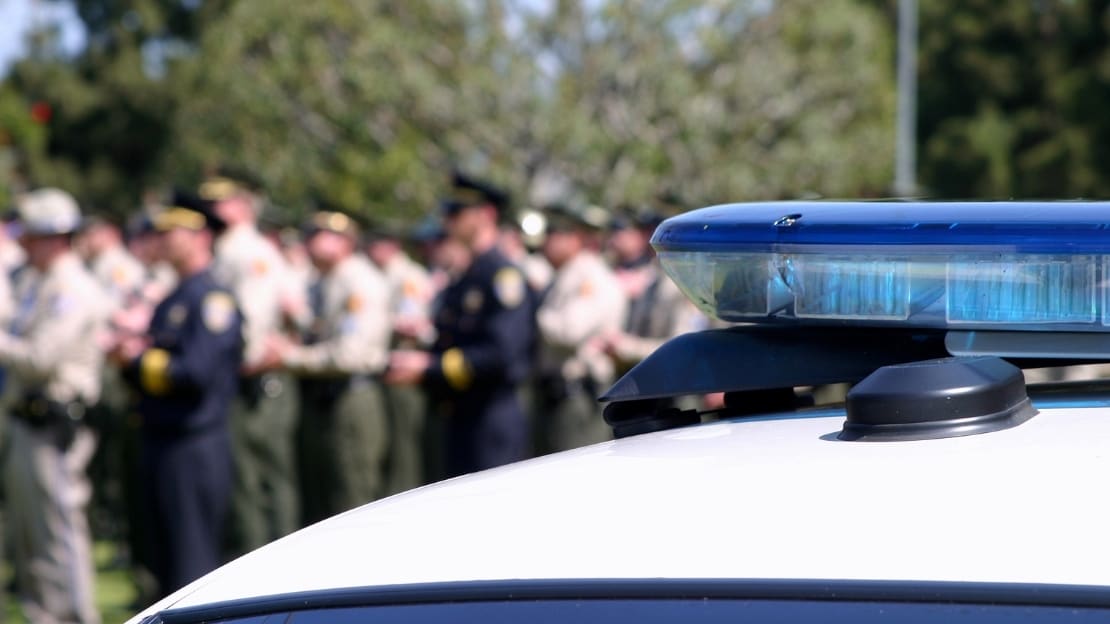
(757, 498)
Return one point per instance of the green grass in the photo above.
(115, 592)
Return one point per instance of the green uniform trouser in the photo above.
(107, 470)
(571, 417)
(265, 505)
(406, 407)
(342, 440)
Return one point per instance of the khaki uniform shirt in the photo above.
(51, 343)
(537, 270)
(659, 314)
(410, 289)
(255, 272)
(584, 300)
(351, 330)
(119, 274)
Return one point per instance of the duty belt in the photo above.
(58, 419)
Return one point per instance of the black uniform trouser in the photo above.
(486, 431)
(187, 487)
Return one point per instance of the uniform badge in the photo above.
(218, 311)
(260, 267)
(586, 289)
(508, 284)
(176, 315)
(472, 300)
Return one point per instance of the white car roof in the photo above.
(761, 498)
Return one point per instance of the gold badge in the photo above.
(218, 311)
(472, 300)
(176, 315)
(509, 286)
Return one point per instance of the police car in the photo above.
(944, 488)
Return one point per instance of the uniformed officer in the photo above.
(343, 429)
(485, 336)
(519, 245)
(119, 273)
(657, 309)
(264, 415)
(410, 298)
(186, 372)
(53, 375)
(121, 276)
(584, 303)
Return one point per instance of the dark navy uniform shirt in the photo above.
(485, 331)
(190, 373)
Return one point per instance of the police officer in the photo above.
(584, 303)
(121, 276)
(186, 372)
(53, 375)
(343, 430)
(657, 309)
(485, 336)
(264, 415)
(410, 298)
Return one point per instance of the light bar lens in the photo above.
(1018, 291)
(1023, 289)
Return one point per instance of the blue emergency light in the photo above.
(961, 265)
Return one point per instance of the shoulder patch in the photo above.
(509, 286)
(218, 311)
(355, 304)
(260, 267)
(586, 289)
(120, 275)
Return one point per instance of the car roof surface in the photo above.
(762, 498)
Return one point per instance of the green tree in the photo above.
(707, 102)
(113, 103)
(365, 105)
(331, 101)
(1012, 98)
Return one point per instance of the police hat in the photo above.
(187, 211)
(429, 230)
(47, 212)
(331, 221)
(385, 230)
(638, 217)
(227, 182)
(467, 192)
(563, 217)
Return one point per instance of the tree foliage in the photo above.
(367, 105)
(1012, 98)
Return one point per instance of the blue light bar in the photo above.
(970, 265)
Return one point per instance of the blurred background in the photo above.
(363, 105)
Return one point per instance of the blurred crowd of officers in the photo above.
(212, 384)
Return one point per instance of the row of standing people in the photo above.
(344, 379)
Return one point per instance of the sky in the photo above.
(18, 16)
